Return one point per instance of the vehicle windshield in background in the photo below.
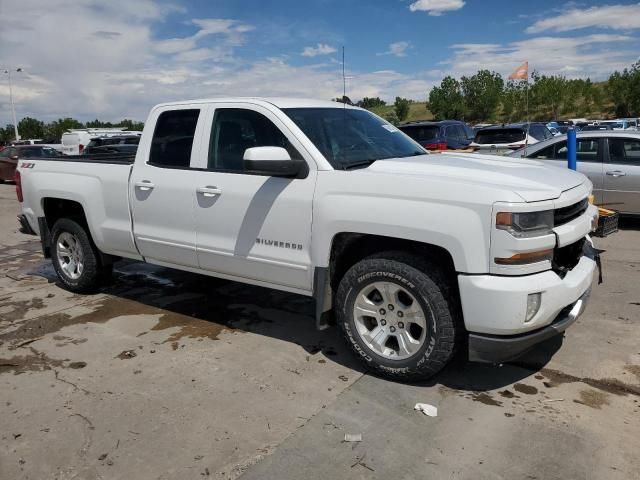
(422, 133)
(502, 135)
(348, 137)
(34, 152)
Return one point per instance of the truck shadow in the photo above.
(287, 317)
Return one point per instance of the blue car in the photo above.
(443, 135)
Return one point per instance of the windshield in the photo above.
(349, 137)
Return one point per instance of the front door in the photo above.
(251, 226)
(622, 175)
(589, 154)
(162, 190)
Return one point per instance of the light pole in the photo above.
(13, 106)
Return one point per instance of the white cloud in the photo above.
(72, 68)
(320, 49)
(595, 56)
(397, 49)
(615, 17)
(436, 7)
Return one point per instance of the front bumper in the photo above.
(497, 349)
(494, 308)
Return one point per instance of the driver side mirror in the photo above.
(273, 162)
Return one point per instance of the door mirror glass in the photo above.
(272, 161)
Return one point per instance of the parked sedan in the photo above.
(611, 160)
(443, 135)
(9, 158)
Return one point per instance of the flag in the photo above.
(520, 73)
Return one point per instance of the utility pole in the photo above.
(13, 106)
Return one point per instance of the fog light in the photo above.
(533, 305)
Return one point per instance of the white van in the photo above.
(74, 141)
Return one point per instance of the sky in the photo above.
(114, 59)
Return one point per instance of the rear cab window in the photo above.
(500, 135)
(172, 140)
(422, 133)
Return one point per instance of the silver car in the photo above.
(611, 160)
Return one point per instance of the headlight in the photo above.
(524, 225)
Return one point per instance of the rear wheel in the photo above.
(399, 319)
(75, 258)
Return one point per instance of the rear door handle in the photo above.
(209, 191)
(616, 173)
(145, 185)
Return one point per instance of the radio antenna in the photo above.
(344, 79)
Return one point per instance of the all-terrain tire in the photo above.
(429, 286)
(94, 273)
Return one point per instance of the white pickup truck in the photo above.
(412, 254)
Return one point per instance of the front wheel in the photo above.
(75, 258)
(400, 320)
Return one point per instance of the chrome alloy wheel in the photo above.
(70, 255)
(389, 320)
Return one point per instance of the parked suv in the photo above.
(444, 135)
(502, 139)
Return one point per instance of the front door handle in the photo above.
(616, 173)
(145, 185)
(209, 191)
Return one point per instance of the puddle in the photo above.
(486, 399)
(11, 311)
(35, 362)
(110, 308)
(507, 394)
(593, 399)
(608, 385)
(189, 327)
(526, 389)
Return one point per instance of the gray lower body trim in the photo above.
(323, 297)
(498, 349)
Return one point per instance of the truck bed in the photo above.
(100, 183)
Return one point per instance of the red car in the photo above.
(9, 158)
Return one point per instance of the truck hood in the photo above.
(533, 181)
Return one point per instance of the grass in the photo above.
(417, 111)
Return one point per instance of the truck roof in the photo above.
(280, 102)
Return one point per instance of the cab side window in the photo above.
(586, 150)
(236, 129)
(173, 138)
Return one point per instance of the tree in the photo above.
(7, 134)
(482, 93)
(624, 91)
(514, 101)
(401, 108)
(30, 128)
(131, 125)
(549, 94)
(371, 102)
(446, 101)
(55, 129)
(391, 117)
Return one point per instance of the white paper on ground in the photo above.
(427, 409)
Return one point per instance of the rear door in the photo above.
(622, 175)
(162, 188)
(252, 226)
